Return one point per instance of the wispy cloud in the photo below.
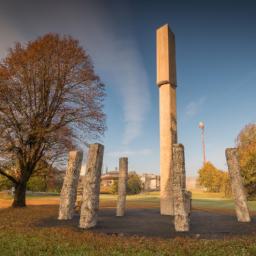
(248, 79)
(194, 107)
(128, 153)
(113, 49)
(9, 35)
(119, 57)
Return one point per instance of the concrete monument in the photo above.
(166, 81)
(242, 211)
(182, 198)
(69, 188)
(91, 187)
(122, 184)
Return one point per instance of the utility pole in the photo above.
(202, 126)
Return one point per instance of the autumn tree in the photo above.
(5, 183)
(134, 185)
(209, 177)
(246, 143)
(51, 100)
(213, 179)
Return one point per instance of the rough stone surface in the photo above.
(147, 183)
(188, 198)
(79, 193)
(181, 196)
(239, 195)
(69, 188)
(91, 187)
(166, 80)
(122, 183)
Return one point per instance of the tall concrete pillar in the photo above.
(91, 187)
(122, 184)
(166, 81)
(239, 195)
(69, 187)
(182, 198)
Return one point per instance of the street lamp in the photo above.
(202, 126)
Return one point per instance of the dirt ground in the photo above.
(149, 223)
(4, 203)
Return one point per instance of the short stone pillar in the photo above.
(181, 196)
(239, 195)
(122, 184)
(69, 187)
(147, 183)
(91, 187)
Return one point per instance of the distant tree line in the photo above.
(46, 181)
(134, 185)
(215, 180)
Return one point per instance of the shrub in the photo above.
(134, 185)
(37, 184)
(214, 180)
(5, 183)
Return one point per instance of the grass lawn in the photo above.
(200, 201)
(19, 234)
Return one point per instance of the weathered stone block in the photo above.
(79, 194)
(182, 198)
(188, 201)
(91, 187)
(69, 188)
(242, 211)
(122, 184)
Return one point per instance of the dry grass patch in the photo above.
(20, 235)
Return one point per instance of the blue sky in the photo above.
(216, 68)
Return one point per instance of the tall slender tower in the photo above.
(166, 81)
(202, 126)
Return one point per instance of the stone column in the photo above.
(91, 187)
(122, 183)
(166, 81)
(158, 182)
(69, 188)
(181, 196)
(241, 207)
(147, 183)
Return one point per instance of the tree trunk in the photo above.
(20, 195)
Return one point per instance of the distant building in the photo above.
(191, 182)
(109, 178)
(150, 182)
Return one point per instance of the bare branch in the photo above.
(8, 176)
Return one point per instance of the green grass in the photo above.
(19, 234)
(200, 200)
(56, 244)
(219, 205)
